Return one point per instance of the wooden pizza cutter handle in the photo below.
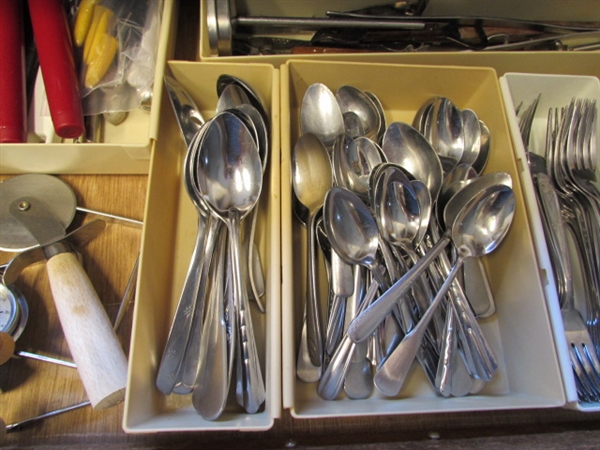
(93, 343)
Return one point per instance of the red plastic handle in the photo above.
(55, 52)
(12, 73)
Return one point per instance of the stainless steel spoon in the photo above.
(352, 99)
(485, 143)
(352, 231)
(405, 146)
(447, 134)
(174, 351)
(471, 135)
(253, 267)
(320, 114)
(353, 162)
(311, 179)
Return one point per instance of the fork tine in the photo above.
(594, 361)
(583, 389)
(591, 149)
(589, 373)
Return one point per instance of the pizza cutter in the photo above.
(35, 210)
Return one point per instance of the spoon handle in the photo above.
(392, 373)
(443, 379)
(212, 385)
(478, 356)
(335, 323)
(332, 380)
(182, 322)
(366, 323)
(191, 360)
(313, 316)
(253, 388)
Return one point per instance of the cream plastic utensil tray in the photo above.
(555, 91)
(169, 232)
(126, 148)
(519, 332)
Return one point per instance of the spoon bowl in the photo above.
(396, 206)
(454, 181)
(447, 135)
(456, 203)
(352, 230)
(472, 136)
(320, 114)
(405, 146)
(353, 162)
(484, 148)
(224, 80)
(231, 96)
(381, 113)
(425, 207)
(352, 99)
(228, 167)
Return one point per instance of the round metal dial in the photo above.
(9, 310)
(13, 311)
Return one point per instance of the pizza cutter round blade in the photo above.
(53, 195)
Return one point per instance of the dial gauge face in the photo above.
(13, 311)
(9, 310)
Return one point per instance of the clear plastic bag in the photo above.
(117, 42)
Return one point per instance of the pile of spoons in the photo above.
(384, 203)
(212, 333)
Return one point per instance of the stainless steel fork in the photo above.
(582, 352)
(584, 360)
